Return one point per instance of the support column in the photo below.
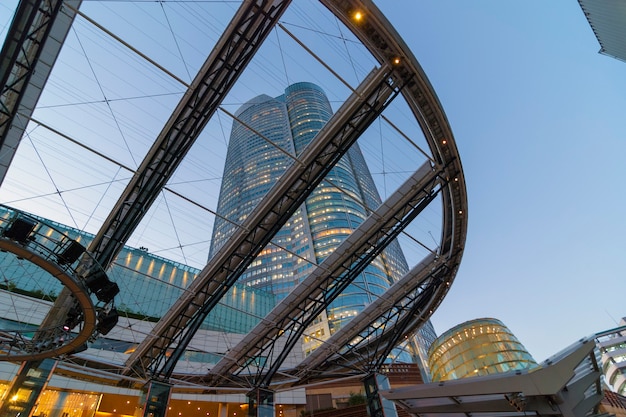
(260, 403)
(222, 410)
(31, 379)
(154, 399)
(378, 406)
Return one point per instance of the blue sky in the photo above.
(538, 118)
(537, 115)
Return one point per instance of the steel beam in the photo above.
(297, 311)
(182, 321)
(380, 38)
(241, 39)
(243, 36)
(32, 45)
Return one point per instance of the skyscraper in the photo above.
(267, 136)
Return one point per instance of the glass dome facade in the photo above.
(477, 347)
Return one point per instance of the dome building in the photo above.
(477, 347)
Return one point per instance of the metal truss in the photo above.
(241, 39)
(364, 345)
(370, 337)
(414, 308)
(181, 322)
(366, 341)
(264, 349)
(234, 50)
(383, 324)
(29, 51)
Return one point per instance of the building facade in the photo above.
(477, 347)
(613, 355)
(267, 136)
(149, 285)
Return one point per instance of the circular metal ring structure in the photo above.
(29, 239)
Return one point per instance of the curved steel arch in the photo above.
(424, 293)
(430, 279)
(17, 347)
(176, 329)
(243, 36)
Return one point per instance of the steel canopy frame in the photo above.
(32, 45)
(251, 24)
(409, 303)
(182, 321)
(381, 39)
(245, 33)
(289, 319)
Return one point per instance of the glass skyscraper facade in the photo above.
(268, 134)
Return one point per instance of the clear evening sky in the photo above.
(538, 117)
